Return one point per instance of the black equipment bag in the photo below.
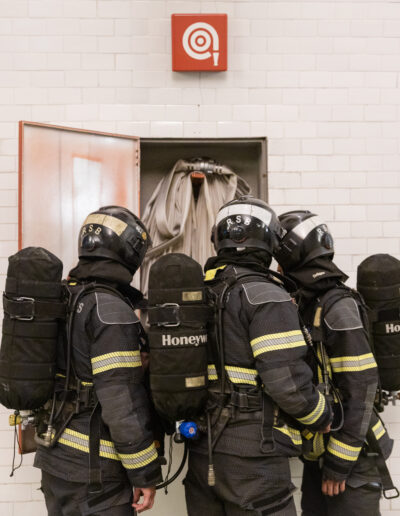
(378, 280)
(34, 305)
(178, 317)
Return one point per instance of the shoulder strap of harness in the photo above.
(315, 342)
(223, 286)
(96, 423)
(325, 303)
(389, 490)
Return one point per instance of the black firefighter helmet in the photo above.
(116, 233)
(246, 222)
(307, 237)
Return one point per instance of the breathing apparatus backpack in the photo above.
(378, 280)
(34, 306)
(178, 316)
(37, 328)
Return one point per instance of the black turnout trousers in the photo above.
(243, 487)
(359, 498)
(64, 498)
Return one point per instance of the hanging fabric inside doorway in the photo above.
(181, 212)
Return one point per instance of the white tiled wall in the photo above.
(319, 78)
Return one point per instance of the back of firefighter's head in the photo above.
(246, 223)
(115, 233)
(307, 237)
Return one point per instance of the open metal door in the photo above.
(66, 173)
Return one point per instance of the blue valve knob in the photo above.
(188, 429)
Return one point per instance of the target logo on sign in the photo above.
(199, 42)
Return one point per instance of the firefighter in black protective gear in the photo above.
(107, 449)
(253, 421)
(340, 475)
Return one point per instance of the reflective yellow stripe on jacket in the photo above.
(238, 375)
(343, 450)
(293, 434)
(313, 416)
(277, 341)
(115, 360)
(140, 459)
(212, 372)
(378, 429)
(353, 364)
(80, 442)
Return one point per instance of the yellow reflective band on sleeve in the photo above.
(353, 363)
(212, 372)
(277, 341)
(293, 434)
(315, 414)
(242, 375)
(342, 450)
(140, 459)
(116, 360)
(378, 429)
(210, 274)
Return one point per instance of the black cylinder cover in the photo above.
(378, 280)
(178, 318)
(29, 340)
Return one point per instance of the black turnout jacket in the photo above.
(352, 367)
(106, 356)
(265, 352)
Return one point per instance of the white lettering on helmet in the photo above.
(193, 340)
(308, 225)
(392, 328)
(233, 210)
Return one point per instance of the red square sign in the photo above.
(199, 42)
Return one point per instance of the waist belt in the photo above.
(83, 395)
(246, 402)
